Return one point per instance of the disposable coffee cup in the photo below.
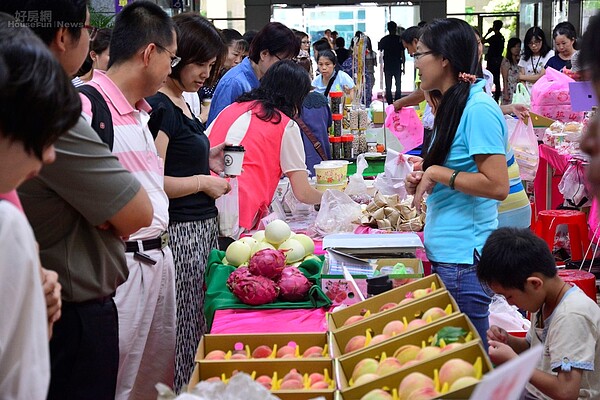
(206, 102)
(233, 158)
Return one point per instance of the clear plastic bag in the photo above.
(338, 213)
(572, 186)
(396, 169)
(525, 146)
(356, 182)
(521, 95)
(229, 211)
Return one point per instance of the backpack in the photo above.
(102, 118)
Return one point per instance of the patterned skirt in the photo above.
(191, 242)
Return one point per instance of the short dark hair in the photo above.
(567, 29)
(411, 34)
(69, 13)
(497, 24)
(512, 255)
(537, 33)
(136, 26)
(340, 42)
(512, 42)
(249, 36)
(197, 42)
(38, 103)
(328, 54)
(230, 36)
(590, 43)
(392, 26)
(101, 41)
(282, 89)
(319, 46)
(276, 38)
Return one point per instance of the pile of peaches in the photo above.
(264, 351)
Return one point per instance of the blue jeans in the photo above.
(472, 297)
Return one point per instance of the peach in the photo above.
(464, 382)
(406, 353)
(364, 366)
(378, 339)
(425, 393)
(451, 346)
(410, 363)
(265, 380)
(293, 375)
(239, 356)
(428, 352)
(387, 306)
(454, 369)
(388, 366)
(291, 384)
(434, 313)
(393, 328)
(314, 351)
(406, 300)
(353, 319)
(319, 385)
(419, 293)
(415, 324)
(213, 379)
(377, 394)
(286, 351)
(315, 377)
(215, 355)
(412, 382)
(355, 343)
(366, 378)
(262, 351)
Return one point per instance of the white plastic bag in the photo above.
(395, 170)
(356, 182)
(572, 186)
(525, 146)
(338, 213)
(506, 316)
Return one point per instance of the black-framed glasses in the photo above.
(92, 30)
(534, 42)
(277, 57)
(418, 55)
(174, 59)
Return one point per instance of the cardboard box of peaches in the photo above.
(422, 348)
(293, 366)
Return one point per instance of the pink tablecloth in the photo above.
(269, 321)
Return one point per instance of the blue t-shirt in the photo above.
(342, 79)
(458, 223)
(237, 81)
(558, 63)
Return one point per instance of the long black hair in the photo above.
(282, 90)
(453, 39)
(537, 33)
(512, 42)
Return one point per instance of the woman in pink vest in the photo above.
(261, 121)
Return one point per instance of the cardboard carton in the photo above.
(375, 325)
(470, 352)
(207, 369)
(420, 337)
(373, 304)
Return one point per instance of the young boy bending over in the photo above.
(518, 265)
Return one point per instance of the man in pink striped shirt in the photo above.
(142, 52)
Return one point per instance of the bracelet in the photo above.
(453, 178)
(198, 183)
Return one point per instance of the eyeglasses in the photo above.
(534, 42)
(277, 57)
(418, 55)
(174, 59)
(92, 30)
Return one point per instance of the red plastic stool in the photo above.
(585, 280)
(576, 221)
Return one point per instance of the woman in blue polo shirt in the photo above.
(465, 171)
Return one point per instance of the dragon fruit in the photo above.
(254, 290)
(268, 263)
(293, 285)
(236, 275)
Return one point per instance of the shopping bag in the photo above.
(525, 147)
(406, 126)
(521, 95)
(550, 97)
(572, 186)
(229, 211)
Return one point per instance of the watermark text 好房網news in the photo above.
(40, 19)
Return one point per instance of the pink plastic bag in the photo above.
(551, 98)
(406, 126)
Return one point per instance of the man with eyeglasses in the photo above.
(142, 52)
(79, 208)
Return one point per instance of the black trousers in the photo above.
(493, 65)
(84, 351)
(397, 75)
